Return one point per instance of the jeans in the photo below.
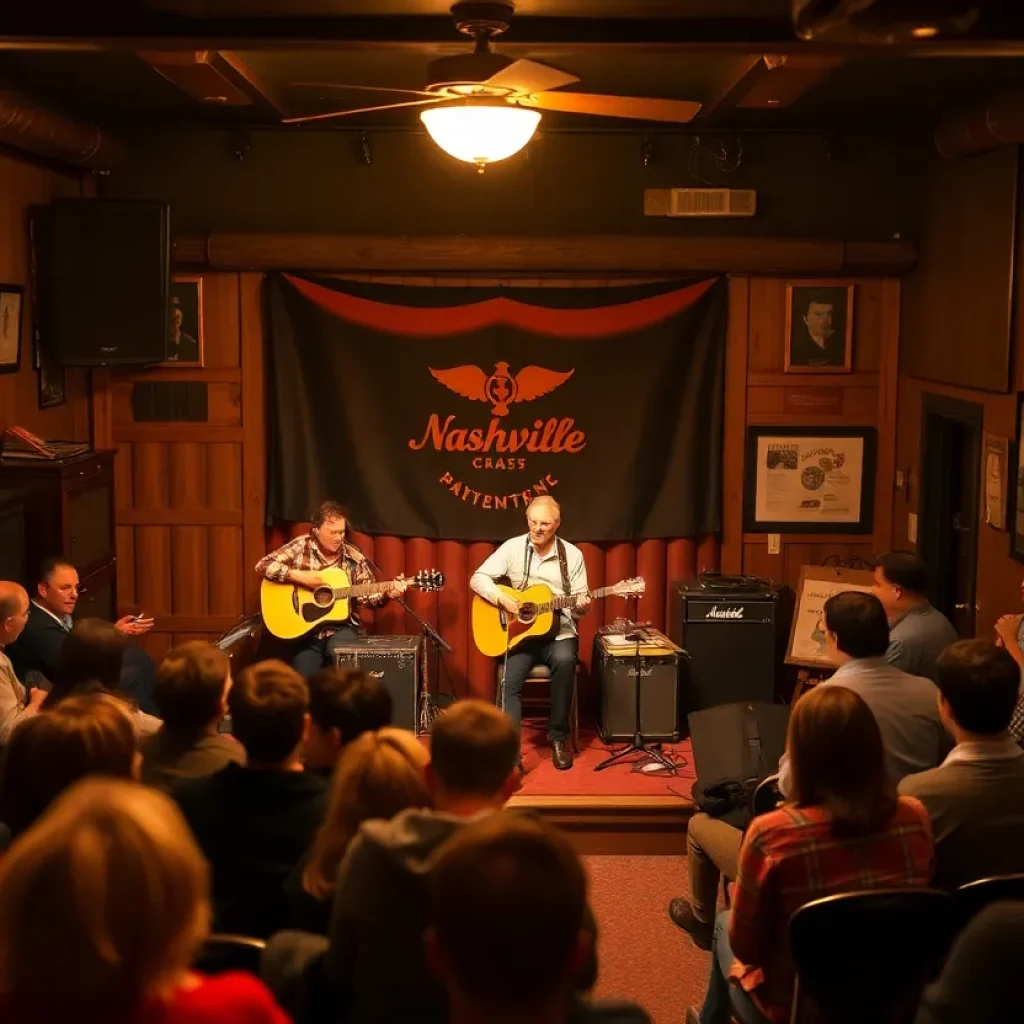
(712, 850)
(724, 1000)
(312, 653)
(560, 658)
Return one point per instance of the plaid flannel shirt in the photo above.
(303, 554)
(790, 857)
(1017, 721)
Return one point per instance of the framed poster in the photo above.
(809, 480)
(1017, 493)
(993, 481)
(807, 633)
(185, 329)
(11, 296)
(819, 327)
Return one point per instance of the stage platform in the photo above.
(616, 811)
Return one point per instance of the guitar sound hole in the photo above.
(323, 596)
(527, 612)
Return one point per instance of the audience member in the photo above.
(845, 830)
(37, 652)
(113, 872)
(975, 798)
(978, 984)
(918, 632)
(343, 704)
(85, 735)
(489, 887)
(90, 661)
(13, 708)
(192, 687)
(378, 775)
(255, 821)
(1010, 634)
(905, 707)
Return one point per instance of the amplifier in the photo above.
(395, 661)
(616, 674)
(735, 639)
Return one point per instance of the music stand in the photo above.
(637, 746)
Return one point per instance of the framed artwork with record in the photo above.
(807, 634)
(809, 480)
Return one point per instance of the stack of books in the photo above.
(21, 445)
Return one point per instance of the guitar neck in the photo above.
(362, 589)
(565, 600)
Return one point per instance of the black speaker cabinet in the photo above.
(735, 639)
(738, 741)
(395, 661)
(616, 695)
(103, 271)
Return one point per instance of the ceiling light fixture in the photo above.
(481, 133)
(925, 32)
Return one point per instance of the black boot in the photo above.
(561, 754)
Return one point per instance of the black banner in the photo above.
(442, 411)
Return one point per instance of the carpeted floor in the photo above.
(643, 957)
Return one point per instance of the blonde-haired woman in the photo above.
(103, 903)
(378, 774)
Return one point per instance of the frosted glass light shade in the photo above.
(481, 133)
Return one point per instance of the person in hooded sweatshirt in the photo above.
(374, 963)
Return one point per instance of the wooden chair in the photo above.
(223, 952)
(537, 697)
(866, 956)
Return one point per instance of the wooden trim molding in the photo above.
(573, 254)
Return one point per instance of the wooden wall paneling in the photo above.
(186, 474)
(767, 324)
(190, 570)
(124, 545)
(149, 475)
(227, 570)
(887, 414)
(253, 446)
(221, 312)
(734, 431)
(868, 325)
(153, 570)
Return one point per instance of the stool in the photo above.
(542, 701)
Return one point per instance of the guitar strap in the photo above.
(563, 565)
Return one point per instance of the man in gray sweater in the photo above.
(975, 798)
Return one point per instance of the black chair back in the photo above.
(865, 956)
(767, 796)
(975, 896)
(221, 953)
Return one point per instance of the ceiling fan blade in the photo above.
(636, 107)
(528, 76)
(358, 88)
(359, 110)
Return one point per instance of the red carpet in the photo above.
(543, 779)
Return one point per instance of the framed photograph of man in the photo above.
(819, 327)
(185, 324)
(11, 296)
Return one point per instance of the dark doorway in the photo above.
(947, 525)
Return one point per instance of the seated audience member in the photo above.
(255, 821)
(907, 712)
(103, 904)
(13, 707)
(1010, 634)
(37, 651)
(980, 982)
(918, 632)
(343, 704)
(845, 830)
(86, 735)
(378, 775)
(975, 798)
(192, 687)
(487, 890)
(90, 662)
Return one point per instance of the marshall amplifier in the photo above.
(395, 661)
(735, 639)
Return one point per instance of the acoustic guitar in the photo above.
(289, 611)
(495, 630)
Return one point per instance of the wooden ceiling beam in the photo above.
(195, 73)
(234, 66)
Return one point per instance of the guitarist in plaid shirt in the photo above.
(301, 561)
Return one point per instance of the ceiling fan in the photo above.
(482, 107)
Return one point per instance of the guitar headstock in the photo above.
(428, 580)
(633, 587)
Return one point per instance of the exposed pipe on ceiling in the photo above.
(26, 125)
(997, 122)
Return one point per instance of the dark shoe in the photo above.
(692, 1015)
(561, 755)
(682, 917)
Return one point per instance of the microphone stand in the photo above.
(435, 643)
(637, 746)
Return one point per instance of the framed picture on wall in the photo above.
(1017, 490)
(185, 328)
(809, 480)
(819, 327)
(11, 296)
(994, 471)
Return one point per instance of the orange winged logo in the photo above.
(501, 389)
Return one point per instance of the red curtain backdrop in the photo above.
(472, 674)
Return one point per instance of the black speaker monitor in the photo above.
(395, 661)
(103, 269)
